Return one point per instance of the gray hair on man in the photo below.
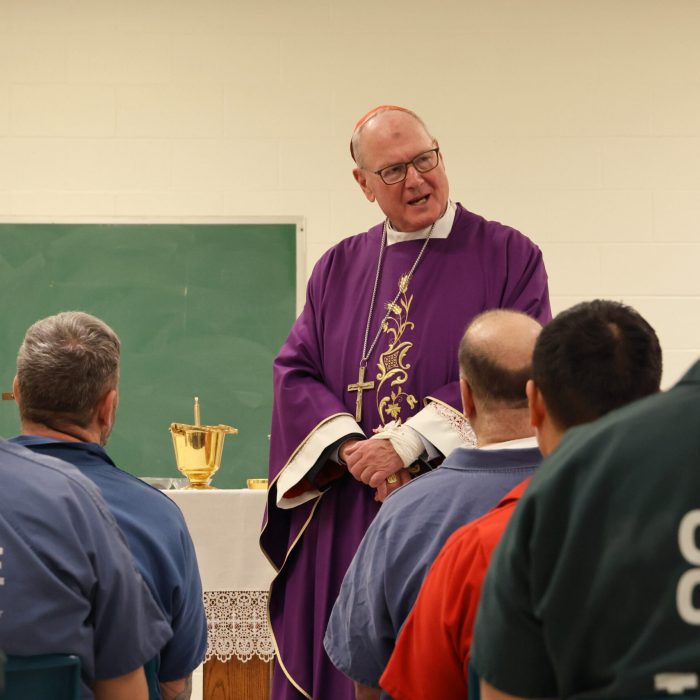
(65, 365)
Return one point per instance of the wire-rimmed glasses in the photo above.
(423, 163)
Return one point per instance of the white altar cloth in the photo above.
(236, 576)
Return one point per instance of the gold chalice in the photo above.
(256, 484)
(198, 449)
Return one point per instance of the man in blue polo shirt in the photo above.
(68, 583)
(382, 583)
(67, 391)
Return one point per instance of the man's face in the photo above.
(419, 200)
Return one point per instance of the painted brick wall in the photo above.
(577, 122)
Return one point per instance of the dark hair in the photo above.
(593, 358)
(65, 365)
(491, 380)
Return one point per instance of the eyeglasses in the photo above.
(423, 163)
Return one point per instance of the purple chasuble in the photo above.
(481, 265)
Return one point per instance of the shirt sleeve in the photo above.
(432, 652)
(333, 431)
(442, 428)
(526, 286)
(509, 650)
(360, 635)
(129, 627)
(185, 651)
(307, 416)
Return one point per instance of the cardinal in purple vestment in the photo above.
(367, 384)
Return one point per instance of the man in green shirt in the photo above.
(592, 593)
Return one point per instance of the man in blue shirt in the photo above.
(385, 576)
(68, 583)
(67, 391)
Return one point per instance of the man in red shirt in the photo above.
(589, 360)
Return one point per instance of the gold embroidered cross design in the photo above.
(393, 366)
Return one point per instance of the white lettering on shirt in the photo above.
(675, 683)
(691, 578)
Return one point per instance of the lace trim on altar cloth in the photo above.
(457, 422)
(238, 626)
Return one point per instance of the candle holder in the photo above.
(198, 449)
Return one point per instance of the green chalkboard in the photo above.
(201, 309)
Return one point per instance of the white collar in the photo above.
(442, 229)
(519, 444)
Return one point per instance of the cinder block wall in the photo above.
(577, 122)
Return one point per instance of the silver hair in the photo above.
(355, 150)
(65, 365)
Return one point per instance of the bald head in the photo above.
(495, 357)
(391, 142)
(386, 121)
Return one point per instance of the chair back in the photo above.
(151, 670)
(49, 677)
(473, 681)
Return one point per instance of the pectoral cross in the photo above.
(359, 387)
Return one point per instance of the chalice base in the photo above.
(199, 479)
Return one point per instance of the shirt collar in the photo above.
(515, 494)
(38, 440)
(519, 444)
(442, 228)
(692, 375)
(35, 440)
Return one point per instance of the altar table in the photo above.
(236, 576)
